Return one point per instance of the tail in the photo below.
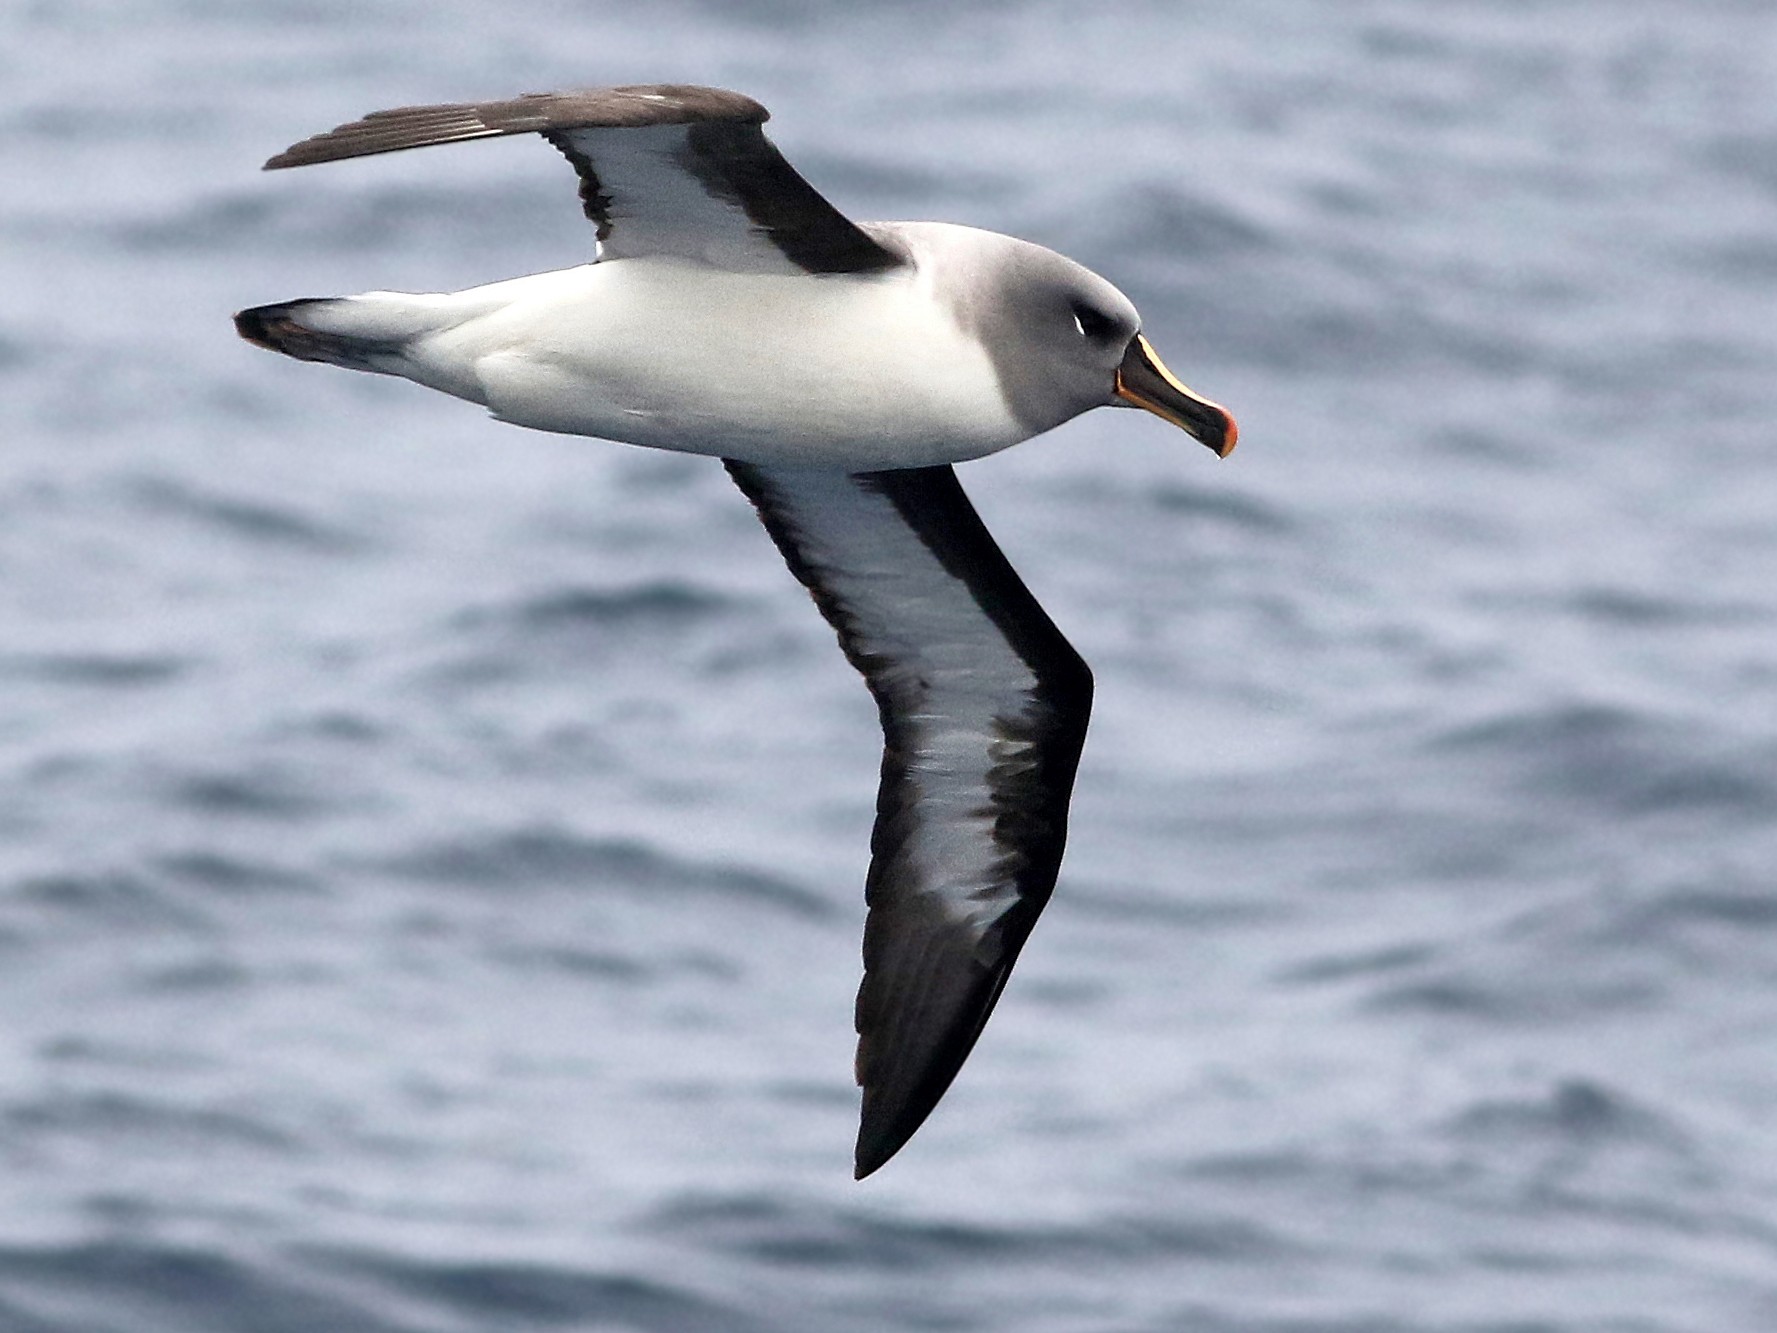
(371, 332)
(299, 329)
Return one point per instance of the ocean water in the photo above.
(431, 853)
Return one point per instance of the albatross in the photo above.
(838, 369)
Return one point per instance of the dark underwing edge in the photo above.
(933, 505)
(1030, 825)
(1032, 802)
(737, 164)
(594, 202)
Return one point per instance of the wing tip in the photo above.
(863, 1167)
(906, 1062)
(879, 1141)
(904, 1080)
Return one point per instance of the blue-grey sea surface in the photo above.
(431, 853)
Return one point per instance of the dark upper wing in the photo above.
(984, 709)
(665, 169)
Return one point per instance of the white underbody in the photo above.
(857, 372)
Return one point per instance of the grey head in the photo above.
(1062, 340)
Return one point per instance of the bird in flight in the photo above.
(838, 369)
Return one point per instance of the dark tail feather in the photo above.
(279, 328)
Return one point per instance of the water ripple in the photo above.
(97, 670)
(545, 857)
(174, 1289)
(257, 520)
(662, 603)
(541, 1296)
(793, 1234)
(148, 1125)
(1618, 758)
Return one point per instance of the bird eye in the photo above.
(1094, 325)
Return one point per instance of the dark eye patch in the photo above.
(1095, 324)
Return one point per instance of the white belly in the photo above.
(839, 371)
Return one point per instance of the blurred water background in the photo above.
(431, 853)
